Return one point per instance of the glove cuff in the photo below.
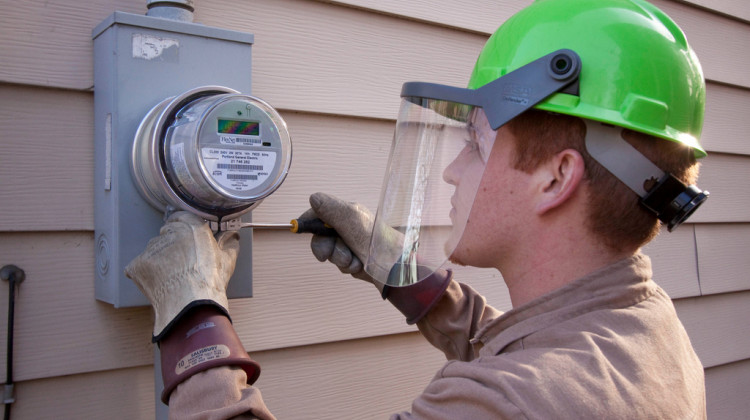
(203, 339)
(415, 300)
(166, 329)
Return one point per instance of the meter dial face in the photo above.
(226, 151)
(241, 150)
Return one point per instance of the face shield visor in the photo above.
(420, 202)
(443, 139)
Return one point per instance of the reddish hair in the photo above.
(614, 213)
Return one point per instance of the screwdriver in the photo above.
(314, 226)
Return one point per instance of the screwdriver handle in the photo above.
(314, 226)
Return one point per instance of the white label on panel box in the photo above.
(238, 170)
(149, 47)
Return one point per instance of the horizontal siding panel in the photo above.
(115, 394)
(723, 251)
(345, 157)
(481, 16)
(339, 60)
(362, 379)
(735, 8)
(717, 326)
(674, 263)
(325, 59)
(473, 15)
(49, 43)
(726, 390)
(47, 159)
(60, 329)
(725, 177)
(726, 124)
(338, 155)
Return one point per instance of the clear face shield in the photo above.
(438, 156)
(443, 139)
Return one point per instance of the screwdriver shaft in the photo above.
(314, 226)
(266, 225)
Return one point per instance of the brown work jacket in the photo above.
(607, 346)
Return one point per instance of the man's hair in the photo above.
(614, 213)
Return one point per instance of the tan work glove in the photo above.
(353, 223)
(184, 267)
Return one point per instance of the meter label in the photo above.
(239, 170)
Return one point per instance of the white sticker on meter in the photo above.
(239, 170)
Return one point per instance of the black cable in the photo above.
(14, 275)
(9, 351)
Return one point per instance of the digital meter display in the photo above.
(248, 128)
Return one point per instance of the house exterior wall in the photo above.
(330, 348)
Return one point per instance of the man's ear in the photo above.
(559, 178)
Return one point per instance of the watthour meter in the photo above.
(211, 151)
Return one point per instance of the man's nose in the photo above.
(451, 174)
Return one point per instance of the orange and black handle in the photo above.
(314, 226)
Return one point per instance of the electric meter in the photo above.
(211, 151)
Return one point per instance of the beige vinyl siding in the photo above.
(330, 348)
(726, 390)
(736, 9)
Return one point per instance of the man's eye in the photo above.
(471, 144)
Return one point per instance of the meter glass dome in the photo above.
(216, 154)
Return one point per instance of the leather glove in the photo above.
(184, 267)
(184, 274)
(353, 223)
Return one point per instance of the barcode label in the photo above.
(243, 141)
(239, 167)
(242, 177)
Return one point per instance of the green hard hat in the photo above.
(637, 71)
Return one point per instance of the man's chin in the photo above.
(456, 260)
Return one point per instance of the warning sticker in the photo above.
(239, 170)
(202, 355)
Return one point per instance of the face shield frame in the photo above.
(510, 95)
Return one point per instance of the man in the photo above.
(577, 136)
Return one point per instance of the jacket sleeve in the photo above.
(217, 394)
(454, 319)
(460, 395)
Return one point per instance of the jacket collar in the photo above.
(621, 284)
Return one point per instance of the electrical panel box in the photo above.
(139, 61)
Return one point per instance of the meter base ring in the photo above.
(147, 160)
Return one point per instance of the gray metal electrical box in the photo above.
(140, 61)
